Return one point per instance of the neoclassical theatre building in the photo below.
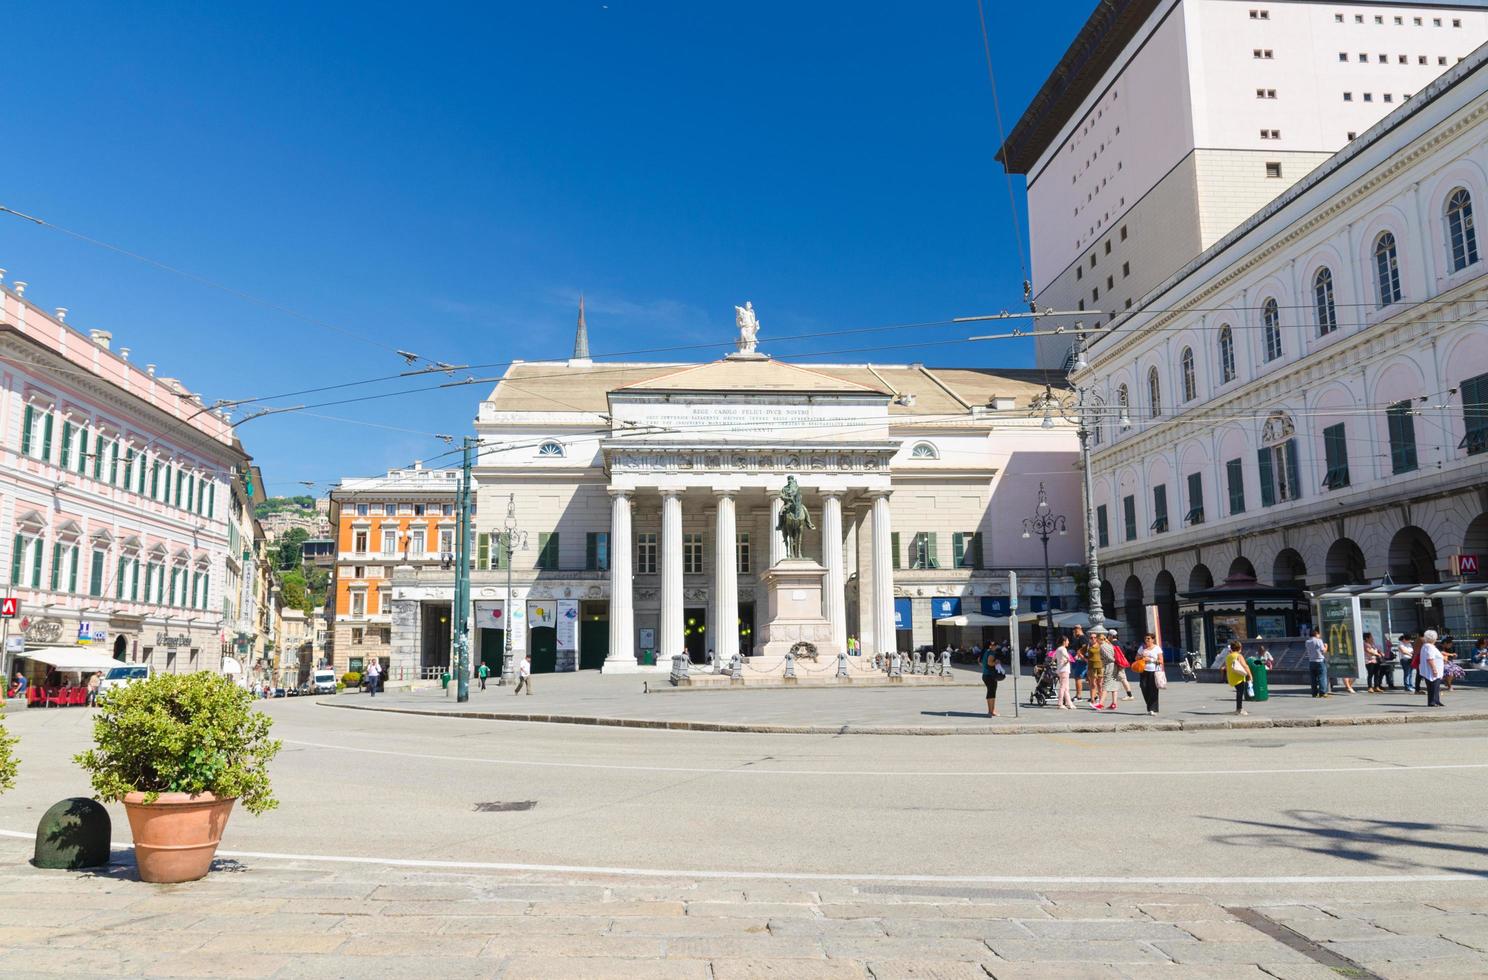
(1306, 403)
(642, 498)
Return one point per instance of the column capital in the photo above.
(666, 492)
(621, 492)
(725, 491)
(878, 494)
(833, 492)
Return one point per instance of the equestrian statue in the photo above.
(794, 518)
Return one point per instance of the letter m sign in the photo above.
(10, 607)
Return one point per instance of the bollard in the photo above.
(841, 665)
(790, 664)
(73, 834)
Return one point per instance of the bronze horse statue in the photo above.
(794, 518)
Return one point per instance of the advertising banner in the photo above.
(568, 624)
(541, 613)
(490, 615)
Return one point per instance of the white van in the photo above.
(123, 675)
(324, 682)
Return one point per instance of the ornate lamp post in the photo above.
(509, 539)
(1045, 523)
(1080, 409)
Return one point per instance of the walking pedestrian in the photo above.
(1079, 661)
(1095, 671)
(1151, 659)
(1433, 667)
(992, 672)
(1372, 664)
(1452, 670)
(524, 675)
(1114, 675)
(1405, 652)
(1122, 663)
(374, 675)
(1317, 663)
(483, 672)
(1060, 659)
(1237, 673)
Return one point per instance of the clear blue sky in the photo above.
(446, 179)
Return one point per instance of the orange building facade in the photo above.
(406, 518)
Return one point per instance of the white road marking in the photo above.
(577, 869)
(1002, 773)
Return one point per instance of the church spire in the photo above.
(581, 337)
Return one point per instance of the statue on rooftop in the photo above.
(748, 327)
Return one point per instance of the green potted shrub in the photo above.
(8, 763)
(178, 750)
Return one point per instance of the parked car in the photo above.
(324, 682)
(123, 675)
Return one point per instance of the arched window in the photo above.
(1271, 326)
(1190, 380)
(550, 448)
(1098, 419)
(1322, 301)
(923, 450)
(1386, 270)
(1462, 240)
(1226, 355)
(1123, 405)
(1154, 392)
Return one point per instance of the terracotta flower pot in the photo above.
(176, 837)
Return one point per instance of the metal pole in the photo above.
(1092, 562)
(1015, 656)
(1048, 594)
(461, 612)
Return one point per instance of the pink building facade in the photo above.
(114, 502)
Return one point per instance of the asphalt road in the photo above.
(1232, 808)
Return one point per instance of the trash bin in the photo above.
(444, 680)
(648, 658)
(1260, 681)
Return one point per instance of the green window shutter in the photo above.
(211, 500)
(114, 463)
(1129, 514)
(119, 581)
(1268, 481)
(17, 558)
(591, 551)
(547, 550)
(98, 451)
(958, 549)
(894, 547)
(56, 565)
(1235, 476)
(483, 552)
(134, 583)
(46, 437)
(206, 591)
(155, 479)
(500, 555)
(1402, 427)
(180, 482)
(976, 550)
(82, 458)
(1102, 527)
(931, 538)
(36, 554)
(1293, 478)
(72, 567)
(95, 575)
(66, 444)
(27, 420)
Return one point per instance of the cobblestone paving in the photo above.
(298, 920)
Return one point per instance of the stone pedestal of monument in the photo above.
(793, 609)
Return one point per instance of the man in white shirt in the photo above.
(524, 675)
(1317, 663)
(374, 677)
(1433, 667)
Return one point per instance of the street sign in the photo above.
(10, 607)
(1466, 565)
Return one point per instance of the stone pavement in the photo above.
(957, 708)
(299, 919)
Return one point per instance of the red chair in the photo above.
(80, 697)
(53, 696)
(34, 695)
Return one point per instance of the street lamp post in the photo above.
(1045, 523)
(510, 538)
(1078, 408)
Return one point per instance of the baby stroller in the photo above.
(1045, 686)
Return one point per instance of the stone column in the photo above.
(622, 585)
(834, 605)
(724, 629)
(883, 577)
(777, 540)
(669, 642)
